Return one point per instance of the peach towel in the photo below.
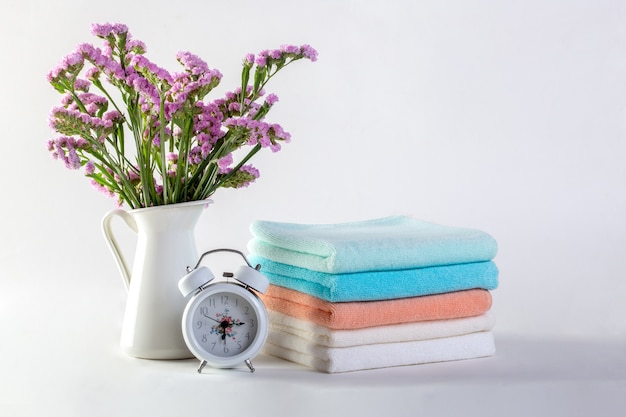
(361, 314)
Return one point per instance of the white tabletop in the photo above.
(60, 357)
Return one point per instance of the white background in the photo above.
(507, 116)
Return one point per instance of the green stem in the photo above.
(98, 84)
(142, 159)
(267, 78)
(78, 102)
(132, 199)
(162, 148)
(182, 171)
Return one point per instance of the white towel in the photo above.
(379, 355)
(433, 329)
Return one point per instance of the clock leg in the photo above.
(202, 365)
(249, 363)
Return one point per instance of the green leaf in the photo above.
(259, 76)
(245, 77)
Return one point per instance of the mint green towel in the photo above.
(390, 243)
(380, 285)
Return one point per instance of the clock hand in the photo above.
(224, 324)
(211, 318)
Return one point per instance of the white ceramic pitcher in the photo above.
(165, 247)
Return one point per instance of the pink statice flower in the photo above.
(67, 149)
(105, 30)
(261, 58)
(150, 70)
(290, 49)
(246, 175)
(252, 172)
(82, 85)
(248, 59)
(308, 52)
(105, 190)
(271, 99)
(90, 168)
(112, 116)
(136, 46)
(192, 63)
(225, 162)
(160, 129)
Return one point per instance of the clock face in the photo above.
(225, 325)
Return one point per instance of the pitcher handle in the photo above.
(122, 265)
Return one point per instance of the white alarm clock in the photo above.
(224, 323)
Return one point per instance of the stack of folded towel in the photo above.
(377, 293)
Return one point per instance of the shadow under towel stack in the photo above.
(378, 293)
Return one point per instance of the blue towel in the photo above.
(380, 285)
(396, 242)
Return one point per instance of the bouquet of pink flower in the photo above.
(182, 147)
